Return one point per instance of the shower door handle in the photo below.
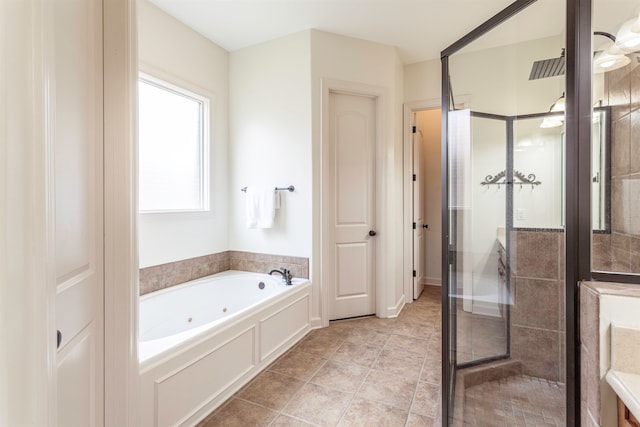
(372, 233)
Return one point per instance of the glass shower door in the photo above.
(504, 276)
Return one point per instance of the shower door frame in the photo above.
(577, 208)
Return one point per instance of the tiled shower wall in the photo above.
(620, 250)
(174, 273)
(537, 292)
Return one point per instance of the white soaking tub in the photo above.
(201, 341)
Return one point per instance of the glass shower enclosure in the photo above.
(504, 332)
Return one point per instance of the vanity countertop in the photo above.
(627, 387)
(624, 375)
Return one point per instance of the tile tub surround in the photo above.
(359, 372)
(263, 263)
(537, 310)
(174, 273)
(597, 399)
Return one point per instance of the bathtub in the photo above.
(201, 341)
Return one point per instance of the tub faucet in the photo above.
(286, 275)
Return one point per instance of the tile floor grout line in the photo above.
(415, 392)
(301, 387)
(346, 409)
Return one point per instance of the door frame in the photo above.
(120, 65)
(381, 268)
(408, 109)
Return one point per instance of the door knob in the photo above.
(372, 233)
(425, 225)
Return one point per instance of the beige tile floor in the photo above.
(381, 372)
(360, 372)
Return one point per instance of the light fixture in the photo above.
(613, 57)
(628, 39)
(552, 122)
(555, 120)
(558, 106)
(636, 26)
(607, 60)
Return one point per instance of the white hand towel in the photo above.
(260, 205)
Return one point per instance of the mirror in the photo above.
(538, 155)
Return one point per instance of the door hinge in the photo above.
(413, 129)
(414, 225)
(415, 274)
(415, 178)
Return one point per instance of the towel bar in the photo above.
(290, 189)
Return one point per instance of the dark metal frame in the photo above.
(578, 177)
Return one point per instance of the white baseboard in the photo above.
(433, 281)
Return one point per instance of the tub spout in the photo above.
(286, 275)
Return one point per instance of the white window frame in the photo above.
(205, 143)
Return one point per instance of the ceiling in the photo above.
(420, 29)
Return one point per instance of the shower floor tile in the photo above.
(515, 401)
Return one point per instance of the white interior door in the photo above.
(350, 276)
(77, 191)
(418, 217)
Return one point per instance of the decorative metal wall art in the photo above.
(520, 178)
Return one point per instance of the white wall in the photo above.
(497, 79)
(270, 130)
(357, 61)
(275, 124)
(172, 51)
(423, 81)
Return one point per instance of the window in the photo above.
(173, 148)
